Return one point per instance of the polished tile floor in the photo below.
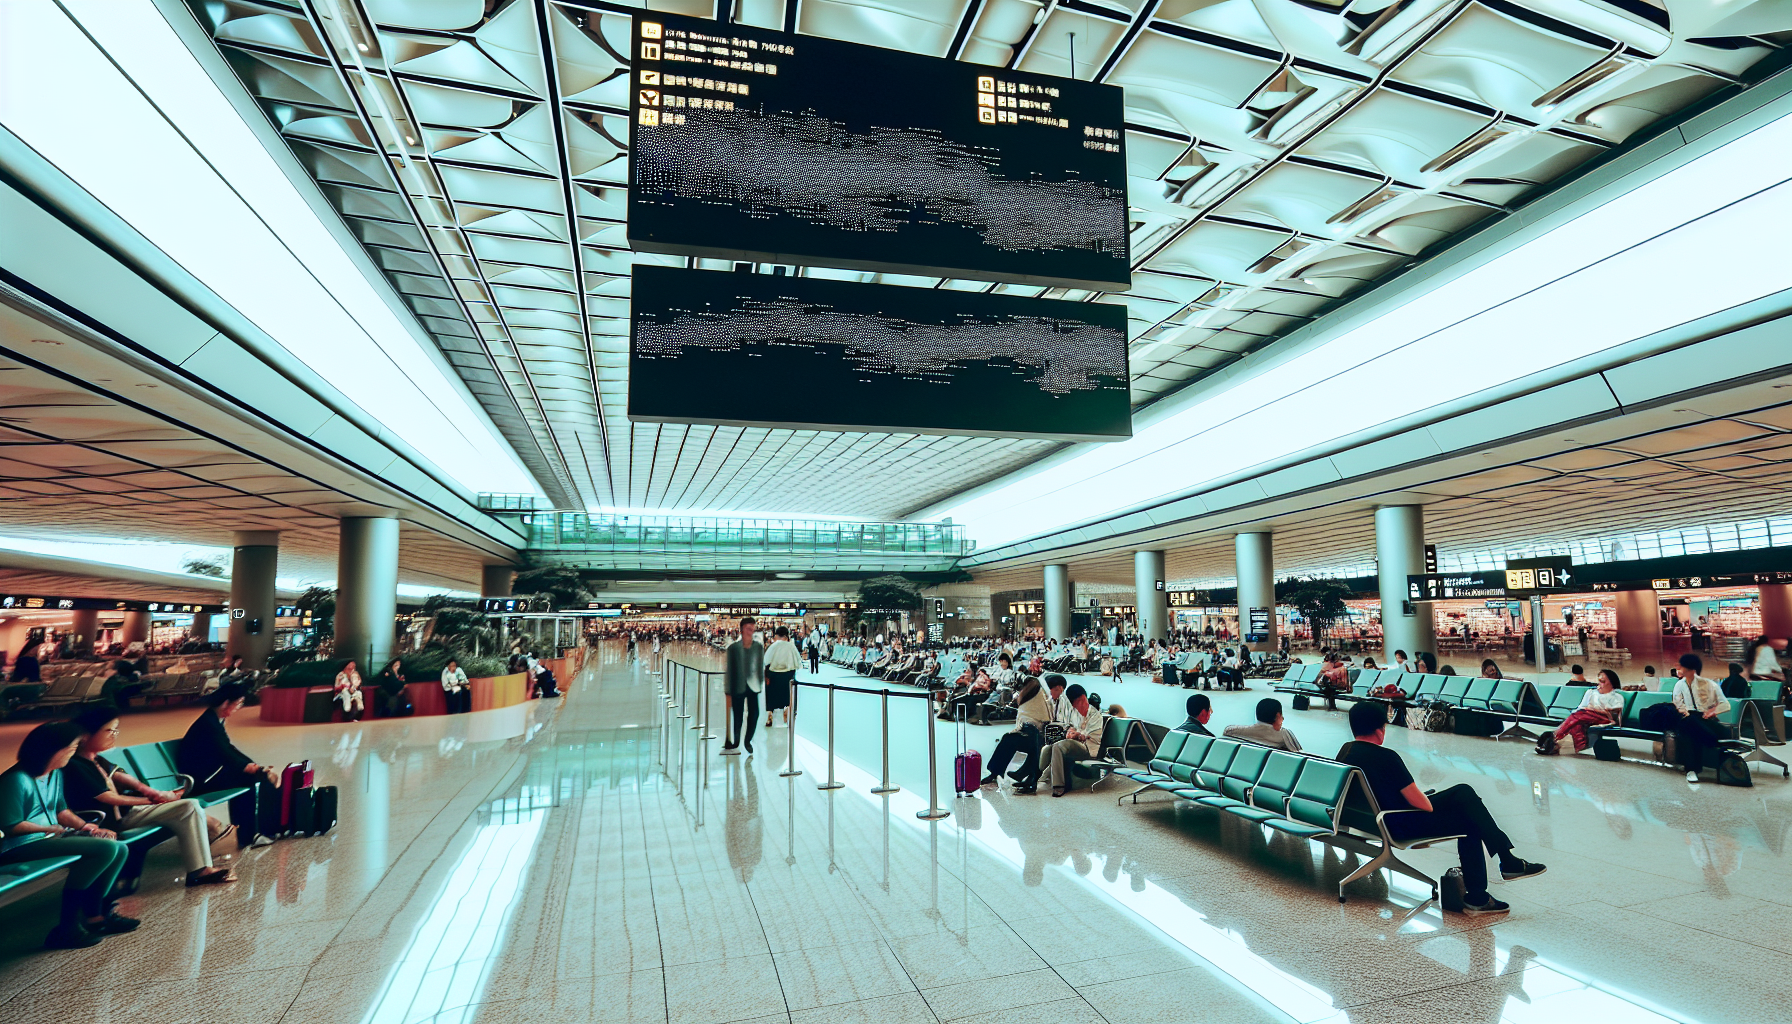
(536, 863)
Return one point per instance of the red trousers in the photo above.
(1576, 726)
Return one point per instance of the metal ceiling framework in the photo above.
(1284, 155)
(1683, 464)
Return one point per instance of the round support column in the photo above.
(1639, 625)
(86, 629)
(136, 628)
(366, 591)
(1776, 609)
(1406, 625)
(1255, 556)
(1150, 596)
(1057, 602)
(252, 568)
(496, 580)
(201, 629)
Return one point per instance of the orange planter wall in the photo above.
(285, 704)
(498, 691)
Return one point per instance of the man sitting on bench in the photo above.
(1454, 811)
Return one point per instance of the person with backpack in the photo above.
(1700, 702)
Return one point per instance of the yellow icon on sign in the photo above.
(650, 78)
(650, 51)
(986, 99)
(986, 84)
(986, 114)
(650, 97)
(650, 117)
(650, 30)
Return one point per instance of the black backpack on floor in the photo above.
(1732, 770)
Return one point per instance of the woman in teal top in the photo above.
(37, 824)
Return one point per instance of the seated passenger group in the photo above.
(64, 798)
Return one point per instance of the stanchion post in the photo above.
(707, 735)
(934, 811)
(790, 734)
(831, 784)
(884, 786)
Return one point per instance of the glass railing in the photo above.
(507, 502)
(594, 532)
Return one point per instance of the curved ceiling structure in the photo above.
(1283, 155)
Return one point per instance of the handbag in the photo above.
(1547, 744)
(1732, 770)
(1054, 731)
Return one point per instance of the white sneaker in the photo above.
(1692, 777)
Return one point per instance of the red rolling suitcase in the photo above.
(297, 776)
(967, 767)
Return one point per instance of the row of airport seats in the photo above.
(1297, 794)
(154, 763)
(73, 689)
(1526, 702)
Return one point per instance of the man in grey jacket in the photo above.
(743, 678)
(1267, 730)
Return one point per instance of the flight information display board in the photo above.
(775, 147)
(768, 350)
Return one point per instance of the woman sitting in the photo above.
(348, 693)
(394, 701)
(37, 824)
(1602, 706)
(92, 783)
(1489, 670)
(1334, 679)
(457, 693)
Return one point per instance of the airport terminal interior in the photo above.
(895, 511)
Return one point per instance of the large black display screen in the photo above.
(763, 350)
(749, 144)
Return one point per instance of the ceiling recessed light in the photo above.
(790, 575)
(362, 47)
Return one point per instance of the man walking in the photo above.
(743, 679)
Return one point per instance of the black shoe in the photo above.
(749, 746)
(1522, 869)
(71, 937)
(1026, 789)
(114, 924)
(1490, 906)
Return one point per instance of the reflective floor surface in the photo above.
(535, 863)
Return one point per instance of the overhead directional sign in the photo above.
(1538, 575)
(1435, 586)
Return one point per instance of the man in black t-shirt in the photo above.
(1454, 811)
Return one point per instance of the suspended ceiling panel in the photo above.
(1284, 156)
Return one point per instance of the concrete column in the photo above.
(1399, 553)
(136, 627)
(366, 591)
(1776, 609)
(1057, 601)
(1639, 626)
(202, 626)
(1150, 597)
(1255, 556)
(86, 629)
(252, 568)
(495, 580)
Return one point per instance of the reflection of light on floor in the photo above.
(1552, 994)
(441, 975)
